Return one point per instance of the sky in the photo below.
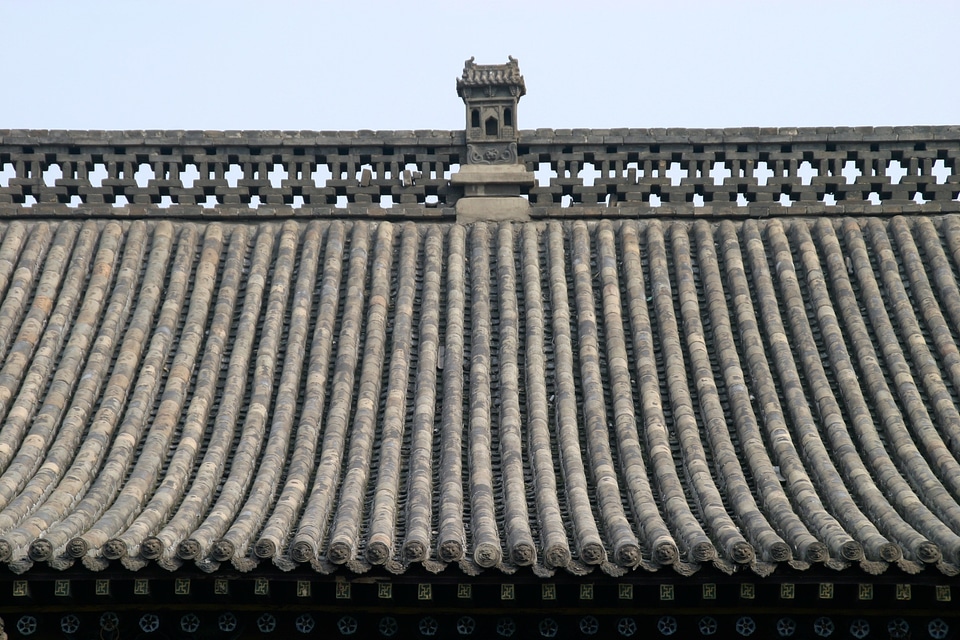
(393, 65)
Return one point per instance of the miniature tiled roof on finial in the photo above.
(486, 75)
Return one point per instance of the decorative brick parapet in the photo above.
(736, 135)
(741, 135)
(627, 172)
(200, 138)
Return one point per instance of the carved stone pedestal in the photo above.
(492, 192)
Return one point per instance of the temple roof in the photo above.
(565, 395)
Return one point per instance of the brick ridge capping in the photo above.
(404, 174)
(670, 135)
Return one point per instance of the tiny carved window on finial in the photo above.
(490, 93)
(494, 183)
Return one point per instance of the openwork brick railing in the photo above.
(615, 172)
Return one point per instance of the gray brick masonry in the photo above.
(746, 172)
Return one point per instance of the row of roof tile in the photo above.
(551, 395)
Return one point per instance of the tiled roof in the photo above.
(486, 75)
(564, 396)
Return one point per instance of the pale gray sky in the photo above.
(392, 65)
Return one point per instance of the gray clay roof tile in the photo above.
(569, 396)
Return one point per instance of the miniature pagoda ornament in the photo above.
(492, 178)
(491, 93)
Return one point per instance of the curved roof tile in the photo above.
(564, 396)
